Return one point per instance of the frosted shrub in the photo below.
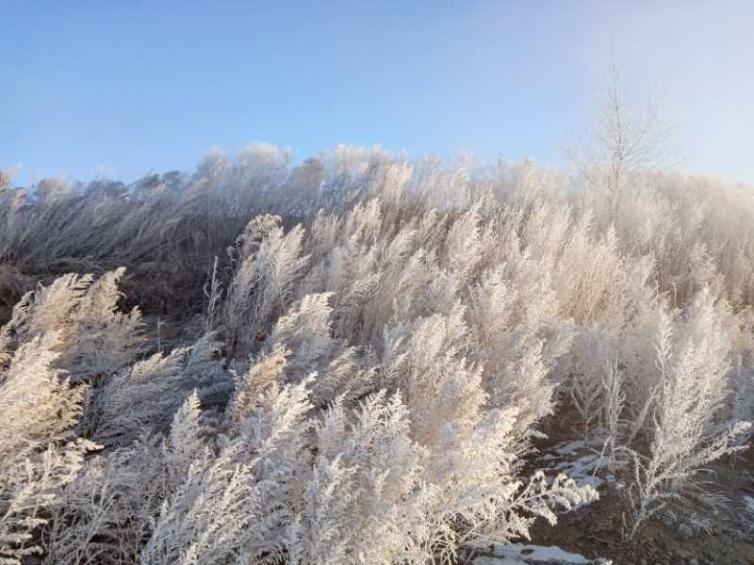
(384, 341)
(94, 337)
(517, 340)
(367, 498)
(110, 507)
(39, 452)
(591, 375)
(239, 503)
(336, 370)
(692, 360)
(146, 395)
(269, 262)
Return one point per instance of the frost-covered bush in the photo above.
(366, 350)
(687, 430)
(94, 337)
(39, 450)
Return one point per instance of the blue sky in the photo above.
(123, 88)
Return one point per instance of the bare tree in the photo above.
(623, 140)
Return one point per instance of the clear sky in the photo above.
(126, 87)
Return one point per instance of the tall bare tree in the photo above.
(623, 140)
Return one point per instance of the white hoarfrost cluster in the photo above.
(380, 344)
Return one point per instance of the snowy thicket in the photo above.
(349, 360)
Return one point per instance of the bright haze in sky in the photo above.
(124, 88)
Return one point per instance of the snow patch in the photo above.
(570, 447)
(518, 554)
(749, 503)
(580, 461)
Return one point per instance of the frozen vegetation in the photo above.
(360, 358)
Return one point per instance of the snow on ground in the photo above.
(584, 463)
(579, 460)
(749, 502)
(518, 554)
(748, 516)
